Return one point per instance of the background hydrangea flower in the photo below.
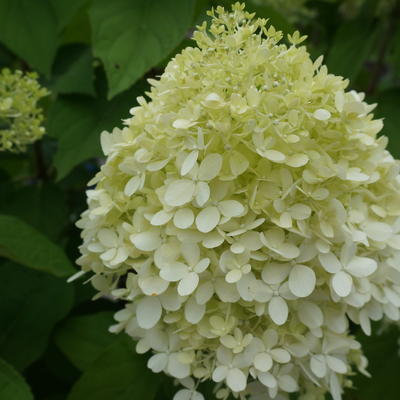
(20, 116)
(237, 215)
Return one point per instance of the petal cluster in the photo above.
(246, 214)
(20, 116)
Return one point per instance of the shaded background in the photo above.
(95, 56)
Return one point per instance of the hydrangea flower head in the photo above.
(20, 116)
(245, 214)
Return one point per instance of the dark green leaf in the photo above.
(118, 374)
(65, 10)
(130, 37)
(382, 352)
(77, 121)
(22, 243)
(84, 338)
(73, 70)
(388, 108)
(12, 384)
(29, 29)
(31, 304)
(47, 209)
(350, 48)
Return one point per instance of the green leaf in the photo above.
(130, 37)
(73, 70)
(12, 384)
(350, 49)
(388, 108)
(65, 10)
(47, 211)
(31, 303)
(22, 243)
(77, 121)
(83, 339)
(29, 29)
(382, 351)
(118, 374)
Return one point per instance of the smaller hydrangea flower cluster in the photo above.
(245, 215)
(20, 116)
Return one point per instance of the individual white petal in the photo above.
(378, 231)
(238, 163)
(157, 362)
(179, 192)
(236, 380)
(288, 383)
(189, 162)
(146, 241)
(274, 273)
(330, 262)
(152, 285)
(300, 211)
(170, 300)
(173, 271)
(274, 155)
(191, 253)
(207, 219)
(228, 341)
(361, 266)
(202, 193)
(157, 165)
(182, 124)
(233, 276)
(212, 240)
(220, 373)
(336, 364)
(183, 394)
(321, 114)
(230, 208)
(302, 280)
(318, 365)
(271, 337)
(263, 362)
(280, 355)
(202, 265)
(278, 310)
(148, 312)
(183, 218)
(268, 380)
(210, 167)
(188, 284)
(194, 312)
(310, 314)
(160, 218)
(109, 254)
(176, 368)
(204, 292)
(133, 185)
(108, 237)
(297, 160)
(226, 292)
(342, 283)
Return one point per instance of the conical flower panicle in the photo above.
(245, 214)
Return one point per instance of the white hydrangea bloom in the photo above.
(245, 214)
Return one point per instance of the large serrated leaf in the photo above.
(118, 374)
(29, 29)
(23, 244)
(12, 384)
(83, 338)
(130, 37)
(77, 121)
(31, 303)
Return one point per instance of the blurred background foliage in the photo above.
(94, 56)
